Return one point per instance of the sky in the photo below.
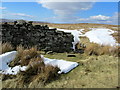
(62, 12)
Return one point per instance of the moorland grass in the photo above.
(6, 47)
(36, 70)
(98, 66)
(92, 72)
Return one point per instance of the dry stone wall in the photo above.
(27, 35)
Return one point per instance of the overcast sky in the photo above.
(62, 12)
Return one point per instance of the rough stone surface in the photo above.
(27, 35)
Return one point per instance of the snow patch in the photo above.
(14, 70)
(6, 58)
(51, 27)
(64, 66)
(81, 30)
(101, 36)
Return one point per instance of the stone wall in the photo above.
(27, 35)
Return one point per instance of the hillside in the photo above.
(98, 65)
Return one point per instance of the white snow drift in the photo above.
(14, 70)
(6, 58)
(64, 66)
(101, 36)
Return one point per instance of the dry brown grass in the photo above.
(7, 76)
(27, 55)
(6, 47)
(116, 36)
(114, 28)
(96, 49)
(50, 73)
(37, 74)
(36, 71)
(95, 72)
(80, 26)
(86, 30)
(24, 56)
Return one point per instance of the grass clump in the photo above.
(50, 73)
(116, 36)
(6, 47)
(96, 49)
(24, 56)
(38, 74)
(7, 76)
(27, 55)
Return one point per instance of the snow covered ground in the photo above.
(64, 66)
(101, 36)
(6, 58)
(14, 70)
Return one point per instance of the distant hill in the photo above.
(12, 20)
(40, 22)
(6, 20)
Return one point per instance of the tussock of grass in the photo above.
(116, 36)
(24, 56)
(6, 47)
(50, 73)
(37, 74)
(37, 71)
(96, 49)
(27, 55)
(7, 76)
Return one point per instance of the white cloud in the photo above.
(95, 18)
(2, 8)
(11, 15)
(64, 10)
(99, 17)
(22, 14)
